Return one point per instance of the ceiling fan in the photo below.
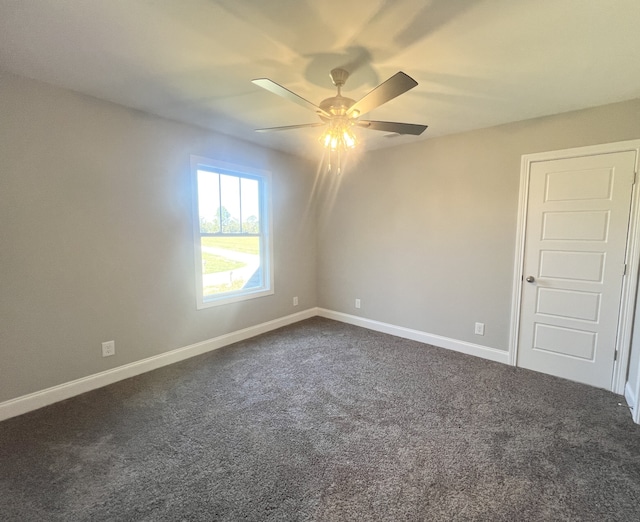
(340, 113)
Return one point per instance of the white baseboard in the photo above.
(631, 399)
(39, 399)
(33, 401)
(416, 335)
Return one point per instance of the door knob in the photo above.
(530, 279)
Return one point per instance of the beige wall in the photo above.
(96, 238)
(424, 234)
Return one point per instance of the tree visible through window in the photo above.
(232, 240)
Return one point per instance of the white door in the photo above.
(575, 246)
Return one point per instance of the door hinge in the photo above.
(615, 355)
(635, 177)
(624, 269)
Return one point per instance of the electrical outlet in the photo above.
(357, 303)
(108, 348)
(479, 329)
(295, 301)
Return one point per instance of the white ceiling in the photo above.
(478, 62)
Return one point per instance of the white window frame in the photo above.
(266, 232)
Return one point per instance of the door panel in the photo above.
(575, 226)
(568, 303)
(575, 248)
(578, 266)
(572, 185)
(564, 341)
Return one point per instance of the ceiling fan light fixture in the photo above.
(349, 139)
(339, 136)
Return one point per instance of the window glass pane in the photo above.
(250, 206)
(209, 201)
(230, 264)
(233, 244)
(230, 212)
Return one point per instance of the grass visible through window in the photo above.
(246, 245)
(214, 264)
(228, 263)
(217, 289)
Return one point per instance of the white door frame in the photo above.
(630, 283)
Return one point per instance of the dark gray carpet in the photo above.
(326, 421)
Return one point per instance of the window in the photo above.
(232, 232)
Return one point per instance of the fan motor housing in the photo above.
(336, 105)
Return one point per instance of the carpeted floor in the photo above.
(325, 421)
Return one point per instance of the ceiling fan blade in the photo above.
(278, 89)
(398, 84)
(289, 127)
(390, 126)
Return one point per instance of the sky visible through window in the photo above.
(234, 196)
